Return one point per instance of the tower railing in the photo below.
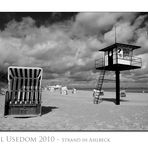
(99, 63)
(136, 61)
(132, 61)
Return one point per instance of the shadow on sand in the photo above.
(47, 109)
(113, 100)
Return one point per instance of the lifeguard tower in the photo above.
(117, 57)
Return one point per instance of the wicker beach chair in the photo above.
(123, 93)
(23, 97)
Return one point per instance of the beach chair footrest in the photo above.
(24, 109)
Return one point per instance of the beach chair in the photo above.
(123, 93)
(23, 97)
(74, 91)
(64, 90)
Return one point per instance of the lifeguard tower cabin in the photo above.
(117, 57)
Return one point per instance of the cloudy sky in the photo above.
(66, 44)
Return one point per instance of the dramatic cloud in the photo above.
(94, 23)
(67, 50)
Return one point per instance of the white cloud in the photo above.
(124, 33)
(94, 23)
(70, 49)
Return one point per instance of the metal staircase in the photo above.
(100, 80)
(98, 90)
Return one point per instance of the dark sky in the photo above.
(40, 18)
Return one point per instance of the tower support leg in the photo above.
(117, 87)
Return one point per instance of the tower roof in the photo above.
(133, 47)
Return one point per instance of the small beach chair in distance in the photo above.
(123, 93)
(73, 91)
(23, 97)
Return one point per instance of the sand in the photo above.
(77, 112)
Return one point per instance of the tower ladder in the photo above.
(99, 85)
(100, 80)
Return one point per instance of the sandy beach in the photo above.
(77, 112)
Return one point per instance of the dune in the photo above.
(77, 112)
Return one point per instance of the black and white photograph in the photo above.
(73, 71)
